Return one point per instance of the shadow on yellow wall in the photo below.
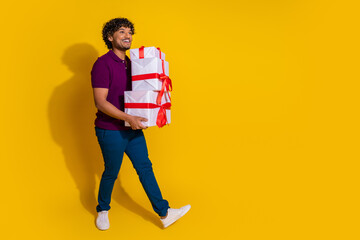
(71, 114)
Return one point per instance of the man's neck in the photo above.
(120, 53)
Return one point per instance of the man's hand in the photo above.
(135, 122)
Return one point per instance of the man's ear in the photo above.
(110, 38)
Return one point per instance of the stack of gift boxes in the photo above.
(151, 86)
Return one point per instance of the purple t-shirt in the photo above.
(109, 71)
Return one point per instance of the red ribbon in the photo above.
(161, 117)
(159, 52)
(166, 81)
(166, 85)
(141, 52)
(147, 76)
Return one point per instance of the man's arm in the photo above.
(100, 95)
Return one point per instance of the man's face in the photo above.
(121, 39)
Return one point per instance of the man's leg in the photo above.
(113, 144)
(138, 154)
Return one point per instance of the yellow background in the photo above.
(264, 140)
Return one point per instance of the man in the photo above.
(110, 77)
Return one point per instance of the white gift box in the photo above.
(148, 112)
(149, 52)
(145, 73)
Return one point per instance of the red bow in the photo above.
(161, 117)
(166, 85)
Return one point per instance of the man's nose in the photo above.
(127, 35)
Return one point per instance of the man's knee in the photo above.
(111, 173)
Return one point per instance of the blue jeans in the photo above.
(113, 144)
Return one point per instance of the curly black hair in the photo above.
(112, 26)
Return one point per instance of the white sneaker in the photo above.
(102, 220)
(174, 214)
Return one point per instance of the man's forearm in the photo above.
(109, 109)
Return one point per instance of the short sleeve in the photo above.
(100, 75)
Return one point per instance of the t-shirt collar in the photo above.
(115, 57)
